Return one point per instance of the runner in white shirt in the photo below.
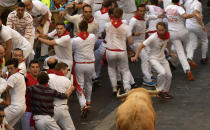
(158, 42)
(62, 84)
(102, 17)
(61, 43)
(197, 30)
(154, 9)
(42, 18)
(17, 89)
(137, 25)
(87, 15)
(179, 34)
(22, 22)
(129, 8)
(116, 52)
(14, 40)
(18, 54)
(166, 3)
(83, 48)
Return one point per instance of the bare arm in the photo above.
(135, 58)
(198, 17)
(187, 16)
(44, 18)
(8, 50)
(7, 101)
(46, 41)
(69, 92)
(169, 49)
(130, 40)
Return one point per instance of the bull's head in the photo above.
(152, 93)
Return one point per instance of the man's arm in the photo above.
(9, 21)
(135, 58)
(130, 40)
(8, 50)
(187, 16)
(198, 17)
(46, 41)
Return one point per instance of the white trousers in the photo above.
(177, 37)
(25, 121)
(44, 47)
(45, 122)
(13, 113)
(31, 40)
(145, 64)
(196, 33)
(84, 75)
(63, 118)
(120, 60)
(164, 74)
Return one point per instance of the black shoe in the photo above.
(134, 86)
(204, 61)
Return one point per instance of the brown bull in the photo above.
(137, 112)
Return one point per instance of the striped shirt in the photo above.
(24, 25)
(42, 98)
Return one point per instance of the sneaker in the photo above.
(192, 63)
(204, 60)
(167, 96)
(153, 78)
(164, 95)
(190, 75)
(152, 83)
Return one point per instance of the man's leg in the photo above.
(25, 121)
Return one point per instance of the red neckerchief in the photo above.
(50, 71)
(14, 73)
(104, 10)
(90, 21)
(83, 35)
(59, 36)
(137, 16)
(57, 6)
(177, 4)
(165, 37)
(116, 22)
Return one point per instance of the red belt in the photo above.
(117, 50)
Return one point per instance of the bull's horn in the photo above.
(122, 95)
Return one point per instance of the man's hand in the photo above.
(72, 5)
(173, 55)
(134, 59)
(160, 16)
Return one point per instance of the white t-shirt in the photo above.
(175, 21)
(128, 6)
(136, 25)
(84, 49)
(102, 19)
(22, 67)
(116, 37)
(18, 89)
(154, 10)
(166, 3)
(76, 19)
(3, 85)
(18, 41)
(157, 46)
(191, 6)
(60, 83)
(63, 47)
(7, 3)
(39, 9)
